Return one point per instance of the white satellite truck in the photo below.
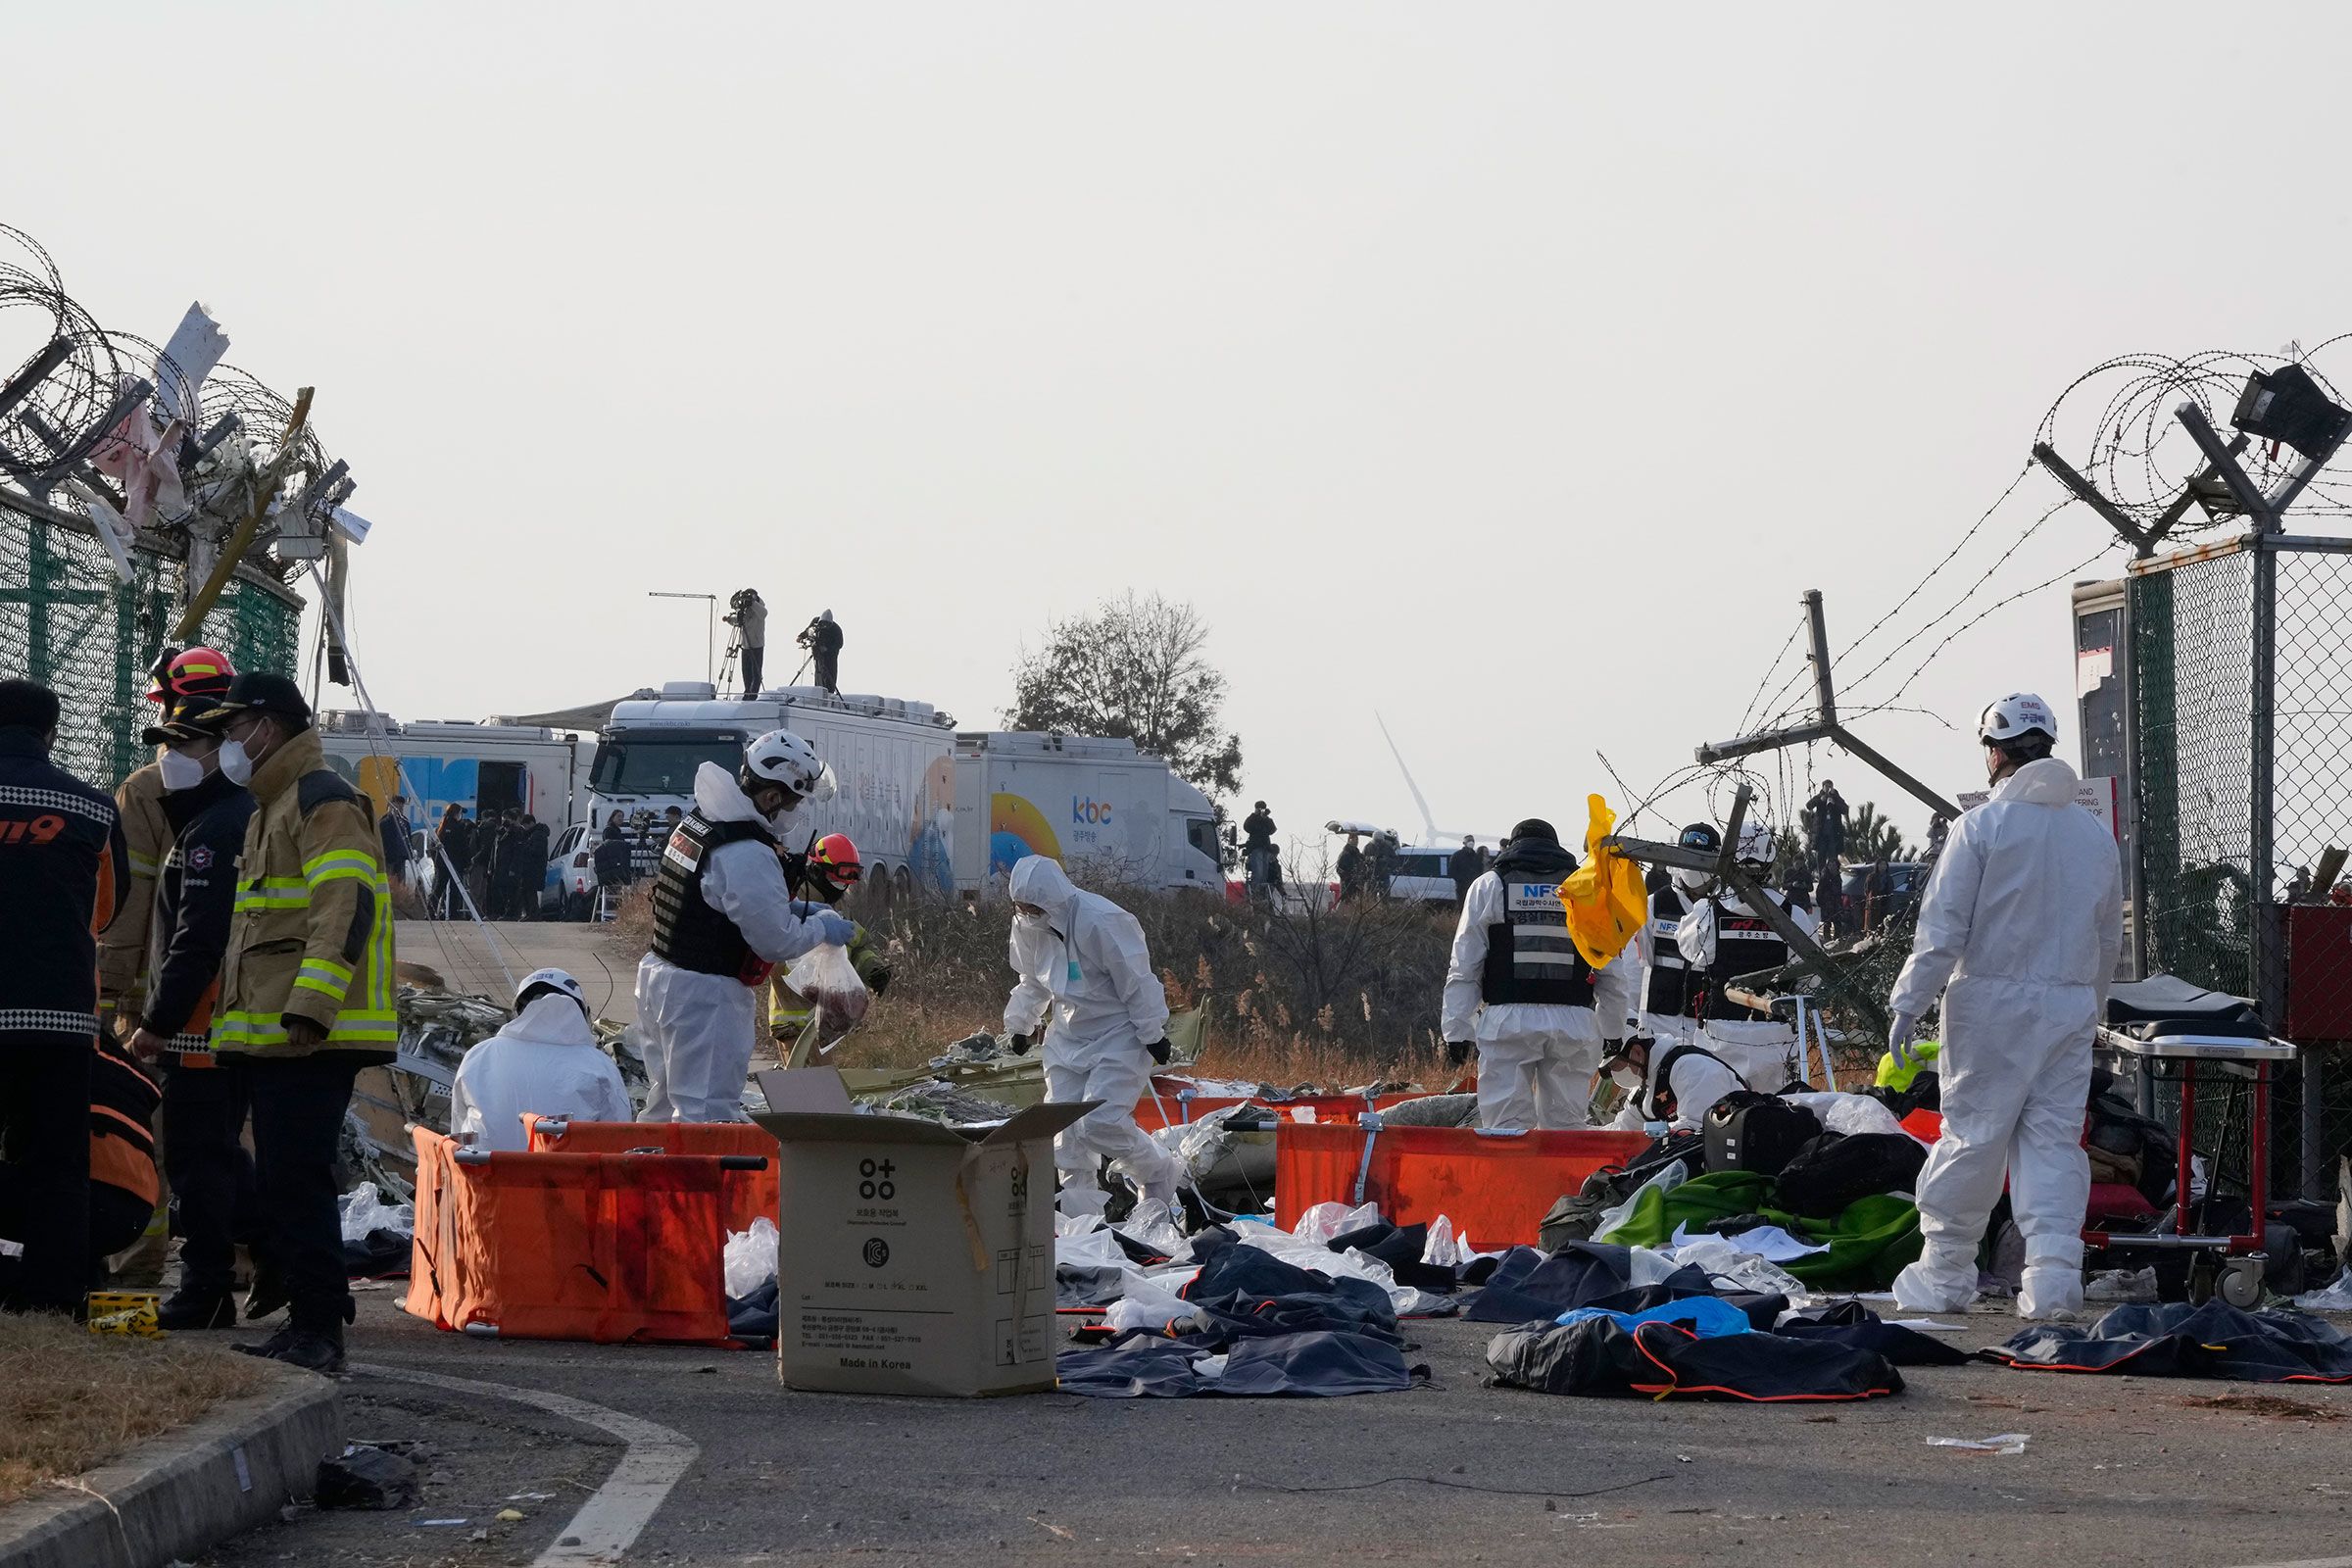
(927, 806)
(890, 758)
(437, 764)
(1112, 813)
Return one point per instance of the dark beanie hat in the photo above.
(1535, 827)
(27, 704)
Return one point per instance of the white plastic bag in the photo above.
(364, 1212)
(1321, 1223)
(751, 1257)
(826, 979)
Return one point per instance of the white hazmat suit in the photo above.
(2023, 918)
(700, 1030)
(1758, 1048)
(1693, 1079)
(546, 1060)
(1085, 966)
(1535, 1060)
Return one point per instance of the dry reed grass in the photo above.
(71, 1400)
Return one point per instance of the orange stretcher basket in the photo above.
(748, 1196)
(1178, 1104)
(1495, 1186)
(610, 1248)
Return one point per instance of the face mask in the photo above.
(236, 765)
(1692, 881)
(180, 772)
(1626, 1077)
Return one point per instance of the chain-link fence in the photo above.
(2241, 660)
(68, 620)
(2306, 943)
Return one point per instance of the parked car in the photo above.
(1881, 891)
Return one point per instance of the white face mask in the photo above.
(1692, 881)
(236, 765)
(180, 772)
(1626, 1077)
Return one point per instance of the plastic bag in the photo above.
(751, 1257)
(1321, 1223)
(364, 1212)
(826, 979)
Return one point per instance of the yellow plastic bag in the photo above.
(1604, 897)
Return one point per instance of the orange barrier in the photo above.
(1495, 1188)
(1180, 1111)
(747, 1195)
(611, 1249)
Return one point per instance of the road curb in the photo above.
(184, 1492)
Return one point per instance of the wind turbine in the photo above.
(1437, 836)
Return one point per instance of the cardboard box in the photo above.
(912, 1258)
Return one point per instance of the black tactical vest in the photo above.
(687, 931)
(1530, 957)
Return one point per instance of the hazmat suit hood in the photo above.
(721, 799)
(552, 1021)
(2046, 782)
(1039, 880)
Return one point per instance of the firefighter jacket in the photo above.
(63, 865)
(123, 951)
(194, 900)
(312, 933)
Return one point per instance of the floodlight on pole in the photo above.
(710, 632)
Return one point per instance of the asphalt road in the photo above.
(2118, 1470)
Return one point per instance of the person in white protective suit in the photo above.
(723, 917)
(2023, 917)
(1669, 1080)
(545, 1060)
(1670, 1001)
(1086, 978)
(1517, 989)
(1721, 938)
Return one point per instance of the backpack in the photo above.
(1758, 1133)
(1832, 1170)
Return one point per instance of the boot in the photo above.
(266, 1294)
(187, 1308)
(319, 1350)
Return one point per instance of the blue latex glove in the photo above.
(832, 929)
(1899, 1035)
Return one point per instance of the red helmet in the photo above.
(833, 861)
(198, 672)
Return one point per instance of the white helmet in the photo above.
(2015, 717)
(1756, 845)
(551, 980)
(780, 756)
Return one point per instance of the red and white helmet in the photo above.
(2015, 717)
(834, 860)
(780, 756)
(198, 672)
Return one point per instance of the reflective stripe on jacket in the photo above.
(311, 936)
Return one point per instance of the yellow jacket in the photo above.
(312, 935)
(123, 948)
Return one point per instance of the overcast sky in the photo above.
(1508, 371)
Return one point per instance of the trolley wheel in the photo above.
(2241, 1282)
(2201, 1280)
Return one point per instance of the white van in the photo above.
(1099, 805)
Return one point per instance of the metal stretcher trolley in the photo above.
(2163, 1029)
